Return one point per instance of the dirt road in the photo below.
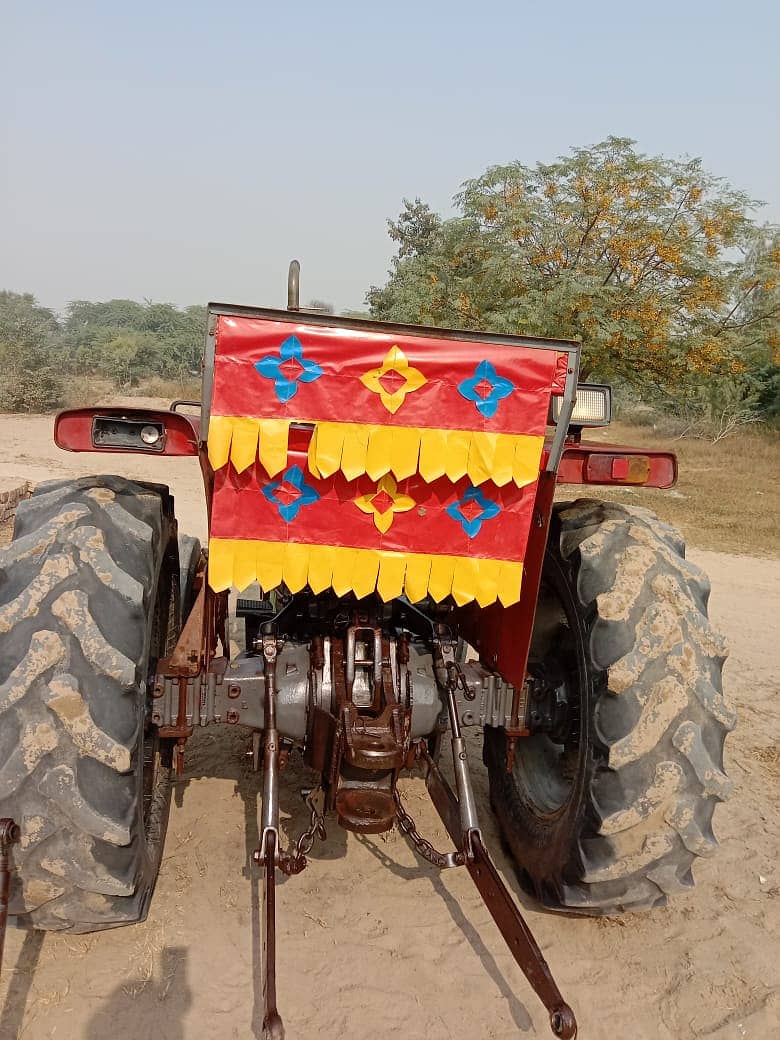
(374, 942)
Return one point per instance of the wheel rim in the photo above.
(549, 768)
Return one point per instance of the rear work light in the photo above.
(593, 406)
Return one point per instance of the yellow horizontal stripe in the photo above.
(241, 561)
(358, 448)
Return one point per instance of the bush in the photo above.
(26, 391)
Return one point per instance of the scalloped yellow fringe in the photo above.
(356, 448)
(239, 562)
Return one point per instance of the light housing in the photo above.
(123, 432)
(593, 406)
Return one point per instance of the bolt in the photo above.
(232, 717)
(234, 690)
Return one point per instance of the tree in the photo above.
(415, 230)
(141, 338)
(642, 258)
(29, 337)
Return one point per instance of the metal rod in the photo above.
(518, 937)
(273, 1027)
(270, 811)
(515, 932)
(294, 286)
(467, 805)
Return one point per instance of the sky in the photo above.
(185, 152)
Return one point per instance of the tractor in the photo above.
(381, 498)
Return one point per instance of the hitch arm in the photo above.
(267, 855)
(273, 1028)
(516, 933)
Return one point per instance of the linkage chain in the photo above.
(407, 825)
(297, 862)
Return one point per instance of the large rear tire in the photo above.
(89, 600)
(608, 812)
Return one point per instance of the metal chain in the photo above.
(408, 827)
(296, 863)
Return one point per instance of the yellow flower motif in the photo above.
(385, 379)
(384, 503)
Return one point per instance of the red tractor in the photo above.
(385, 494)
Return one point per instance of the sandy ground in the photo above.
(373, 941)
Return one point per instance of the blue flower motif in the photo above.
(294, 492)
(485, 376)
(300, 371)
(472, 510)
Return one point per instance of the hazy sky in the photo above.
(186, 151)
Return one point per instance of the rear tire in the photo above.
(88, 602)
(611, 815)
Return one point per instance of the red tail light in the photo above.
(607, 464)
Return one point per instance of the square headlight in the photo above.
(593, 406)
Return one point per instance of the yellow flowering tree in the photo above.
(655, 264)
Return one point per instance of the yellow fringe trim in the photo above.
(357, 448)
(239, 562)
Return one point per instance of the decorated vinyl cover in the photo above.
(362, 458)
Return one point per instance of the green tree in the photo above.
(642, 258)
(29, 342)
(142, 339)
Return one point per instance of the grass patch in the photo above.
(727, 496)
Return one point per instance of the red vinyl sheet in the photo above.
(343, 356)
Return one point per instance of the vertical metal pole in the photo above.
(268, 852)
(270, 812)
(273, 1027)
(294, 286)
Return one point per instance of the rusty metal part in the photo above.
(365, 810)
(502, 907)
(193, 656)
(323, 730)
(273, 1028)
(204, 628)
(519, 939)
(9, 835)
(407, 826)
(186, 657)
(375, 744)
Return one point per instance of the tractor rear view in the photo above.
(381, 496)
